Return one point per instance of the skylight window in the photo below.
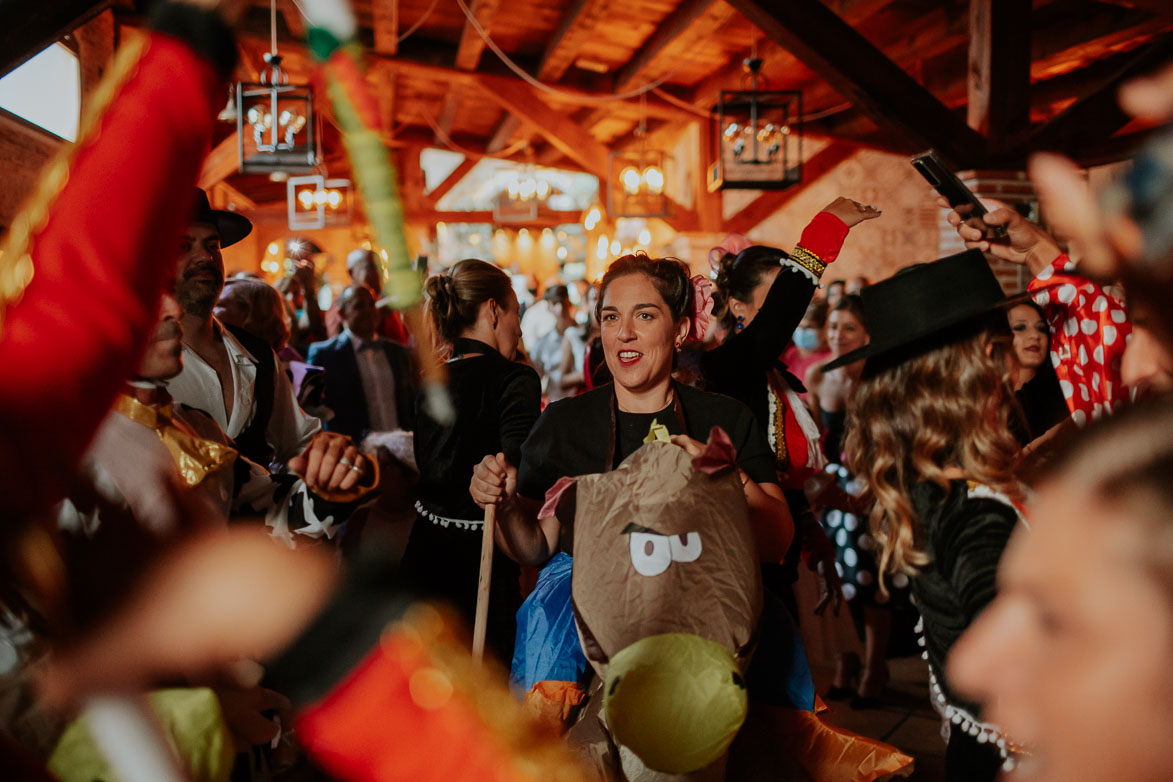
(46, 90)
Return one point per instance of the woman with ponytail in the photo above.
(475, 314)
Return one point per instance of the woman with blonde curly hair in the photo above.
(928, 436)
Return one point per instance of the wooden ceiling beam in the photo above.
(28, 26)
(418, 67)
(778, 60)
(1096, 117)
(999, 69)
(578, 22)
(225, 196)
(770, 201)
(386, 25)
(503, 133)
(452, 180)
(222, 162)
(867, 77)
(691, 23)
(452, 101)
(468, 53)
(294, 22)
(568, 137)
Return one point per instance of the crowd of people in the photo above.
(202, 469)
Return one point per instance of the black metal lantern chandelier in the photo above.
(275, 123)
(758, 135)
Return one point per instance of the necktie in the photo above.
(195, 458)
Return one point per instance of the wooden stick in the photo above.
(480, 626)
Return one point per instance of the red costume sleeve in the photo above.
(1089, 332)
(824, 236)
(102, 233)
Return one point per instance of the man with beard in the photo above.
(228, 373)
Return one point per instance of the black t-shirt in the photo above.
(573, 435)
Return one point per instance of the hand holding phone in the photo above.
(960, 198)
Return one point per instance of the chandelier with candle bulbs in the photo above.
(758, 134)
(275, 123)
(636, 186)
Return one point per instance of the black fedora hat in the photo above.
(908, 308)
(232, 226)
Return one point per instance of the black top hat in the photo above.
(232, 226)
(913, 305)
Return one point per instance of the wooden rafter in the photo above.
(468, 53)
(873, 82)
(1094, 118)
(771, 201)
(854, 12)
(222, 162)
(999, 69)
(444, 122)
(386, 25)
(225, 196)
(567, 136)
(293, 18)
(28, 26)
(578, 21)
(687, 26)
(503, 133)
(431, 71)
(452, 180)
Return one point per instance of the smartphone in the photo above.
(960, 197)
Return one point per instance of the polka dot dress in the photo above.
(855, 551)
(1090, 331)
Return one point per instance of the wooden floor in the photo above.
(906, 720)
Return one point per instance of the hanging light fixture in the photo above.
(758, 134)
(275, 122)
(523, 195)
(317, 202)
(636, 179)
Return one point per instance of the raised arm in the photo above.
(1089, 326)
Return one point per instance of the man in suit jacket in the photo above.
(370, 383)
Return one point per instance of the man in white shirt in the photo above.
(227, 373)
(370, 382)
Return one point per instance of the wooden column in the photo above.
(999, 69)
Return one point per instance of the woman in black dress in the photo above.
(927, 432)
(496, 400)
(764, 294)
